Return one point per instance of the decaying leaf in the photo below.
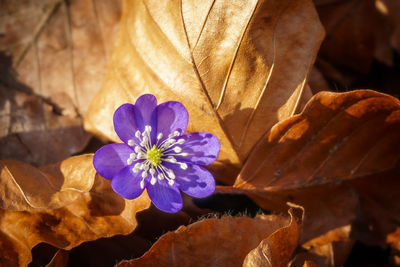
(81, 207)
(320, 158)
(352, 28)
(33, 131)
(223, 242)
(277, 249)
(59, 184)
(330, 249)
(379, 217)
(338, 137)
(53, 56)
(238, 68)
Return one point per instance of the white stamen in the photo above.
(141, 155)
(131, 142)
(144, 141)
(171, 174)
(180, 141)
(153, 181)
(137, 134)
(176, 133)
(160, 176)
(145, 167)
(147, 128)
(144, 174)
(137, 167)
(142, 184)
(171, 182)
(184, 166)
(184, 154)
(129, 161)
(171, 159)
(132, 156)
(177, 149)
(138, 149)
(159, 136)
(152, 171)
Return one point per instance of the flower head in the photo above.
(156, 154)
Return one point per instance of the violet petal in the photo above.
(110, 159)
(125, 122)
(195, 181)
(171, 116)
(144, 107)
(165, 197)
(127, 183)
(202, 148)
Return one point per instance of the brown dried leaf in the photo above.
(379, 218)
(81, 207)
(238, 68)
(326, 143)
(330, 249)
(308, 158)
(277, 249)
(351, 28)
(59, 184)
(60, 259)
(220, 242)
(52, 61)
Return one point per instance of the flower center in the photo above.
(154, 155)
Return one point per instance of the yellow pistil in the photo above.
(154, 155)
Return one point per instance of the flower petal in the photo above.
(171, 116)
(127, 183)
(202, 148)
(195, 181)
(165, 197)
(146, 104)
(110, 159)
(125, 122)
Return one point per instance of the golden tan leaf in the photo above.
(238, 68)
(81, 206)
(219, 242)
(59, 184)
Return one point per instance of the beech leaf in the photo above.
(338, 137)
(237, 68)
(81, 206)
(53, 59)
(341, 152)
(225, 241)
(277, 249)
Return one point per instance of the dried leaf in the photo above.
(81, 207)
(356, 34)
(379, 217)
(308, 158)
(220, 242)
(277, 249)
(326, 143)
(60, 259)
(53, 60)
(330, 249)
(390, 9)
(59, 184)
(238, 68)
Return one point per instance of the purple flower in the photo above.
(156, 155)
